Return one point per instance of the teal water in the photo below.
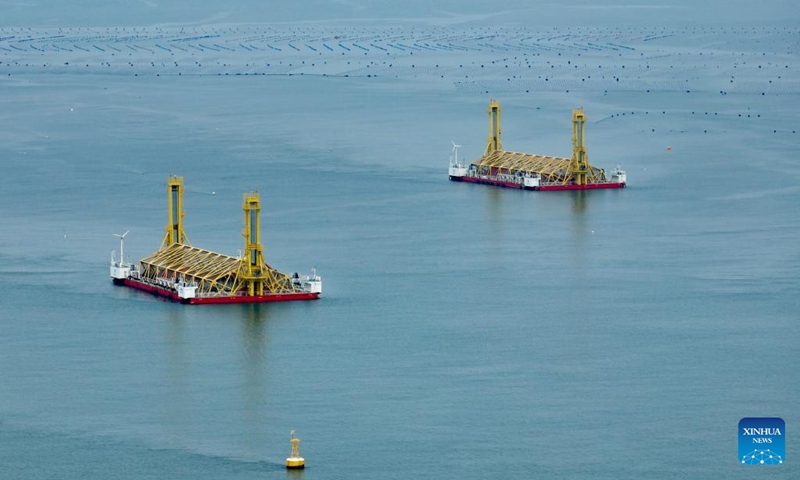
(465, 331)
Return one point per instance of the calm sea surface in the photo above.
(466, 332)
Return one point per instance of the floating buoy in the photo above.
(295, 460)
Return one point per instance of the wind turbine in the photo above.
(121, 246)
(455, 152)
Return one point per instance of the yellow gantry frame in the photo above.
(552, 170)
(215, 274)
(526, 163)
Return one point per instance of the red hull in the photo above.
(588, 186)
(162, 292)
(499, 183)
(486, 181)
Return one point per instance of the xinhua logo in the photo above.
(762, 441)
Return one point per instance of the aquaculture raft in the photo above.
(184, 273)
(502, 168)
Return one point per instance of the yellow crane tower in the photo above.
(174, 229)
(494, 144)
(254, 274)
(579, 165)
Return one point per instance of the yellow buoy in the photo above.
(295, 460)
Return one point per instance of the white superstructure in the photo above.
(310, 283)
(456, 169)
(531, 181)
(619, 176)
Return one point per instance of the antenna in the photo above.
(121, 246)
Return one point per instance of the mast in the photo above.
(295, 446)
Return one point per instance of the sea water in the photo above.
(464, 331)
